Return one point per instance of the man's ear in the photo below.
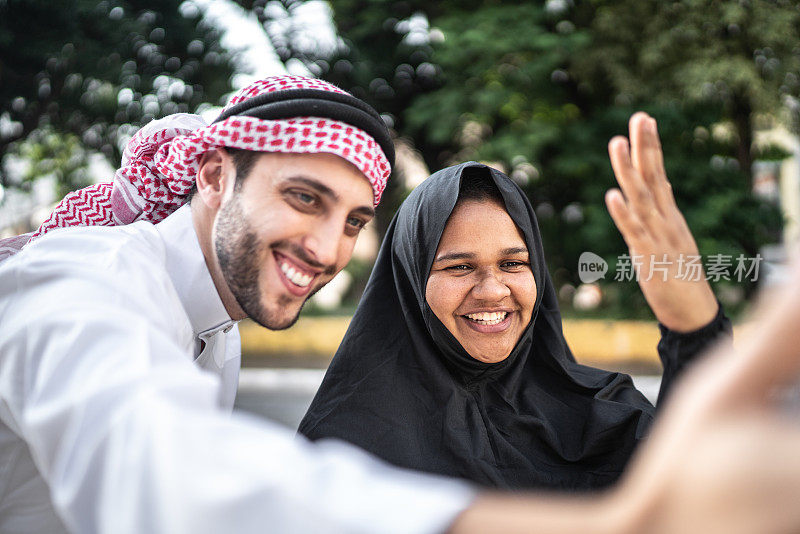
(215, 177)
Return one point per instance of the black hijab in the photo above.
(402, 387)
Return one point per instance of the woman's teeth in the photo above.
(487, 318)
(297, 278)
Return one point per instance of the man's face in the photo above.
(288, 230)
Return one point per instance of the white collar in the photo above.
(187, 269)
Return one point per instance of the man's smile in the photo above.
(296, 277)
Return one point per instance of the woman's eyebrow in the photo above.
(455, 256)
(471, 255)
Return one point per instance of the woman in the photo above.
(455, 362)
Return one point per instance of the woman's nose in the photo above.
(490, 287)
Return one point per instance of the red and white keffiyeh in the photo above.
(160, 162)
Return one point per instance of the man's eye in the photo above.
(356, 223)
(304, 198)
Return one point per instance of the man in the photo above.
(108, 423)
(118, 348)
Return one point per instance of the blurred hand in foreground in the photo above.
(724, 456)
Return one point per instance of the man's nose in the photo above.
(491, 287)
(323, 242)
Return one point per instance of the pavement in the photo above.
(284, 394)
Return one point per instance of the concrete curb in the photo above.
(597, 341)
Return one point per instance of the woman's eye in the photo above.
(514, 264)
(457, 268)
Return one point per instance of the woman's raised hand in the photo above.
(661, 247)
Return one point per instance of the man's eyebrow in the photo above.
(316, 185)
(366, 211)
(322, 189)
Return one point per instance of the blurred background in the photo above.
(535, 89)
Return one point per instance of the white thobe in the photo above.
(113, 421)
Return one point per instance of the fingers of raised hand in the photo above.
(648, 158)
(627, 223)
(640, 200)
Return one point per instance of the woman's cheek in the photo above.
(443, 295)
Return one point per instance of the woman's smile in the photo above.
(488, 322)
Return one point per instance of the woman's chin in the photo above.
(491, 356)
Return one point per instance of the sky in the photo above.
(244, 35)
(242, 32)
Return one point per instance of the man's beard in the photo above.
(237, 248)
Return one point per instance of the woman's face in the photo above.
(481, 285)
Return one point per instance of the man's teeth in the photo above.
(297, 278)
(487, 318)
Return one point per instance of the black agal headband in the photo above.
(292, 103)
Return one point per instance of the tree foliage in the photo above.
(742, 55)
(93, 72)
(540, 88)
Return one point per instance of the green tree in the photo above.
(61, 156)
(540, 88)
(743, 56)
(95, 71)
